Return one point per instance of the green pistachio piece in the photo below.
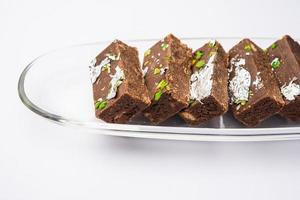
(156, 70)
(248, 48)
(162, 84)
(164, 46)
(200, 64)
(106, 67)
(100, 105)
(157, 95)
(273, 46)
(147, 53)
(275, 63)
(198, 55)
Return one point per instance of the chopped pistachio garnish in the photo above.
(248, 48)
(273, 46)
(156, 70)
(100, 105)
(162, 84)
(147, 53)
(97, 104)
(275, 63)
(240, 102)
(194, 61)
(106, 67)
(212, 43)
(164, 46)
(157, 95)
(198, 55)
(200, 64)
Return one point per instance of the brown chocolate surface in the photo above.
(131, 96)
(216, 103)
(167, 61)
(264, 98)
(288, 52)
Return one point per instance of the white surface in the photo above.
(40, 160)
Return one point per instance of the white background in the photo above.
(41, 160)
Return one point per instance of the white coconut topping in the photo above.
(291, 90)
(201, 81)
(258, 83)
(115, 82)
(95, 70)
(240, 84)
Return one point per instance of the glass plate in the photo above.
(57, 86)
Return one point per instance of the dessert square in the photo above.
(209, 84)
(167, 70)
(119, 89)
(254, 93)
(284, 59)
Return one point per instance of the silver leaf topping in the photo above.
(201, 82)
(115, 82)
(239, 86)
(291, 90)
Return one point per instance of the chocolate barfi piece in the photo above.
(254, 93)
(284, 57)
(167, 72)
(209, 81)
(118, 85)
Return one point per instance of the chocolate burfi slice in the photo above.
(118, 85)
(254, 93)
(284, 57)
(209, 81)
(166, 68)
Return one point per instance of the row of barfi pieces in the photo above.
(251, 82)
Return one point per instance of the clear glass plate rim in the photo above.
(215, 132)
